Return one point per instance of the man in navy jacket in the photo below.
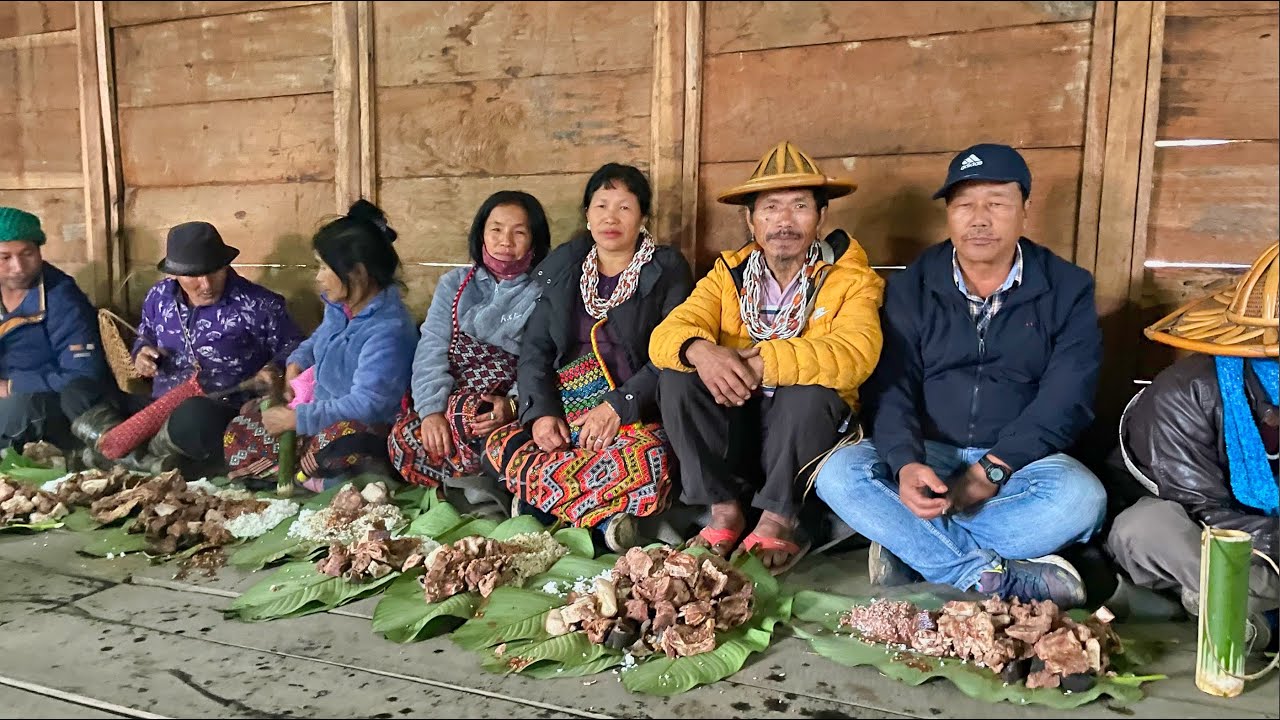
(51, 362)
(989, 369)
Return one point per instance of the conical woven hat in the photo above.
(1242, 321)
(786, 166)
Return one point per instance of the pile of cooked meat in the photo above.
(174, 516)
(658, 600)
(27, 504)
(1035, 642)
(479, 564)
(372, 557)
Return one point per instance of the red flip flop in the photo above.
(772, 544)
(720, 536)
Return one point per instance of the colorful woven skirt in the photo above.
(344, 448)
(586, 487)
(409, 455)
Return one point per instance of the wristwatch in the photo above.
(998, 474)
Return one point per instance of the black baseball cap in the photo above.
(994, 163)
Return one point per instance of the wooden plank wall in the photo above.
(472, 98)
(887, 92)
(41, 169)
(266, 118)
(226, 114)
(1214, 206)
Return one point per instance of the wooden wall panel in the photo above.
(138, 12)
(514, 127)
(433, 215)
(892, 214)
(421, 43)
(1218, 9)
(252, 55)
(62, 217)
(911, 95)
(49, 150)
(286, 139)
(268, 223)
(40, 75)
(31, 18)
(1220, 78)
(1218, 203)
(745, 26)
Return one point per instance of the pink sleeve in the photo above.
(304, 388)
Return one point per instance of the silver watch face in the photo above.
(996, 474)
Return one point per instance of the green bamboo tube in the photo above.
(288, 442)
(1225, 557)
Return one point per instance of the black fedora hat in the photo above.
(196, 248)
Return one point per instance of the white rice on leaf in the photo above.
(252, 525)
(311, 525)
(538, 551)
(202, 485)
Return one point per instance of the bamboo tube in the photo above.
(1225, 559)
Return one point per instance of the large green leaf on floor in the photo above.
(403, 615)
(271, 547)
(482, 527)
(517, 525)
(115, 540)
(80, 520)
(32, 527)
(510, 614)
(578, 540)
(436, 522)
(571, 655)
(298, 589)
(824, 610)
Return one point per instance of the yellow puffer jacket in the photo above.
(841, 340)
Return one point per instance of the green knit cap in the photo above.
(17, 225)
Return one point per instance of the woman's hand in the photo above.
(551, 433)
(147, 362)
(291, 373)
(436, 436)
(599, 428)
(482, 424)
(279, 420)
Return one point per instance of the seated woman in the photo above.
(586, 449)
(465, 366)
(350, 375)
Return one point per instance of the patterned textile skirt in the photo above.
(586, 487)
(344, 448)
(410, 457)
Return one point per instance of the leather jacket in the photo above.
(1173, 441)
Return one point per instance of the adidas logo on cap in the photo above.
(971, 162)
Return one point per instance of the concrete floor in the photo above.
(83, 637)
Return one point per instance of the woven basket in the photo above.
(117, 350)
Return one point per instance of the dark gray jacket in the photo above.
(1174, 442)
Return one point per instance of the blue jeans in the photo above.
(1042, 508)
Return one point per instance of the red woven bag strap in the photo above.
(458, 296)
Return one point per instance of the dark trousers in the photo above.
(32, 417)
(760, 447)
(195, 427)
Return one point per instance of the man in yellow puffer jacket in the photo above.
(760, 367)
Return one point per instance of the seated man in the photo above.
(1200, 446)
(51, 359)
(204, 320)
(989, 371)
(760, 367)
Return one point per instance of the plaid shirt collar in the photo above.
(980, 309)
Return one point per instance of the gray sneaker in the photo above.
(1043, 578)
(886, 570)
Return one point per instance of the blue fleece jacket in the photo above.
(362, 364)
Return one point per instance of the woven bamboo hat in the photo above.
(783, 167)
(1242, 321)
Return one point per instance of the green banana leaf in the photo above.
(41, 526)
(824, 610)
(509, 633)
(298, 589)
(404, 616)
(273, 546)
(115, 540)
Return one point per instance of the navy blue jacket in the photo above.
(51, 338)
(1025, 392)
